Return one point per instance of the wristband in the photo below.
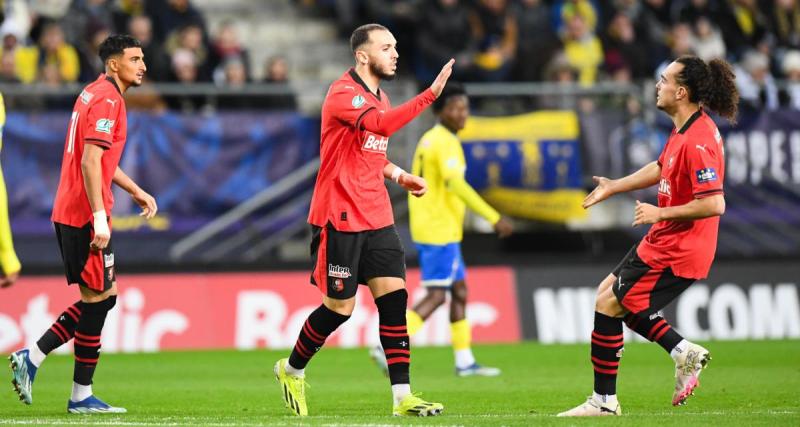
(101, 223)
(396, 173)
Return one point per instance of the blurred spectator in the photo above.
(707, 40)
(277, 73)
(653, 25)
(791, 70)
(83, 19)
(171, 15)
(785, 23)
(743, 26)
(444, 32)
(565, 10)
(50, 77)
(124, 11)
(227, 46)
(560, 71)
(537, 41)
(190, 38)
(583, 50)
(689, 11)
(495, 30)
(8, 68)
(757, 89)
(184, 69)
(52, 49)
(680, 43)
(235, 78)
(623, 52)
(400, 17)
(17, 19)
(157, 61)
(91, 64)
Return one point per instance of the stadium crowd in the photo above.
(587, 41)
(52, 42)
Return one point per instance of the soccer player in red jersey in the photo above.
(680, 246)
(82, 218)
(354, 239)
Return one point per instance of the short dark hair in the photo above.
(116, 45)
(451, 90)
(361, 35)
(710, 84)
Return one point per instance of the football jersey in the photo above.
(350, 192)
(437, 217)
(692, 167)
(98, 118)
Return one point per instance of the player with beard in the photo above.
(354, 239)
(82, 219)
(679, 248)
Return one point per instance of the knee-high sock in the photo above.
(606, 352)
(320, 323)
(655, 328)
(62, 330)
(394, 334)
(87, 338)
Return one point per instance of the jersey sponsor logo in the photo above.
(86, 97)
(338, 271)
(375, 143)
(358, 101)
(104, 126)
(706, 175)
(664, 187)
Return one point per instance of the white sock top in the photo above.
(80, 392)
(399, 391)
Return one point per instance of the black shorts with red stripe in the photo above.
(83, 266)
(642, 289)
(343, 260)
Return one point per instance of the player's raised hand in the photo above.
(438, 85)
(146, 202)
(415, 184)
(645, 213)
(600, 193)
(504, 227)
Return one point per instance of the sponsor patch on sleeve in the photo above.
(358, 101)
(706, 175)
(104, 126)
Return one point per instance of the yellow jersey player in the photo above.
(9, 263)
(437, 222)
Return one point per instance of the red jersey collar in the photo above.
(356, 78)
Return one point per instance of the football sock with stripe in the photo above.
(394, 335)
(655, 328)
(87, 339)
(320, 323)
(61, 331)
(606, 352)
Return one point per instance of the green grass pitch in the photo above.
(747, 383)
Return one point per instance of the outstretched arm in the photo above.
(388, 122)
(645, 177)
(461, 188)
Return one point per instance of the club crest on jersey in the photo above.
(104, 126)
(108, 260)
(86, 97)
(706, 175)
(375, 143)
(338, 271)
(338, 285)
(358, 101)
